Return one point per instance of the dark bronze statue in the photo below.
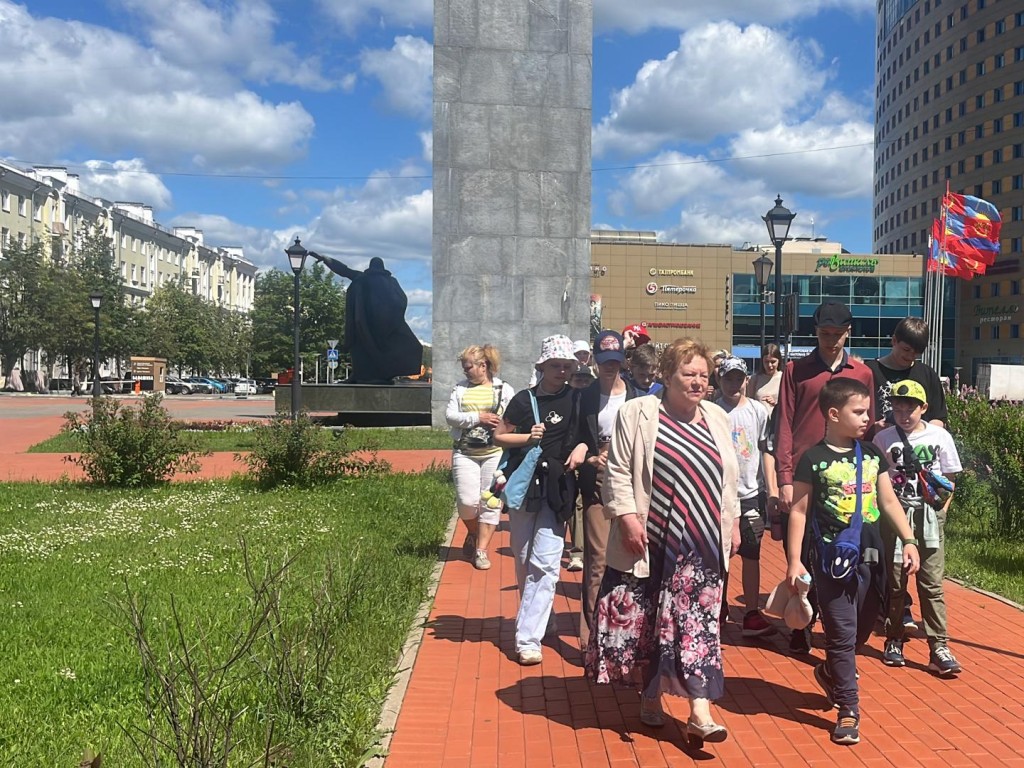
(381, 343)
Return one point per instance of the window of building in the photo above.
(961, 167)
(1018, 119)
(997, 186)
(977, 334)
(997, 125)
(1018, 151)
(1018, 53)
(22, 206)
(978, 190)
(5, 201)
(995, 331)
(979, 161)
(980, 36)
(1014, 331)
(977, 291)
(1015, 245)
(5, 239)
(997, 156)
(1015, 287)
(1017, 213)
(1000, 27)
(1017, 183)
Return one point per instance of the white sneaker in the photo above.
(480, 561)
(530, 658)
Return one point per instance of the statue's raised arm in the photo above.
(336, 266)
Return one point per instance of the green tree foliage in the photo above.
(322, 308)
(23, 278)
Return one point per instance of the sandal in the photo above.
(711, 731)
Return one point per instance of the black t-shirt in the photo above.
(832, 476)
(885, 377)
(555, 412)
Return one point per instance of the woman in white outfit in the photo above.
(474, 410)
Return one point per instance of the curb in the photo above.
(407, 659)
(986, 593)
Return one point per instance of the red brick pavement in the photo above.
(469, 704)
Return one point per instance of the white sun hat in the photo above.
(557, 347)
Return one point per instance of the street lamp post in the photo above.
(778, 220)
(96, 298)
(762, 271)
(297, 258)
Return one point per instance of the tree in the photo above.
(23, 282)
(322, 300)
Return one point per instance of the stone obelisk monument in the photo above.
(512, 120)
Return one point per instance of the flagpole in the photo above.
(941, 289)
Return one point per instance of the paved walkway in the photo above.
(468, 704)
(29, 419)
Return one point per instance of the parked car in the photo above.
(173, 385)
(200, 386)
(216, 387)
(265, 386)
(245, 387)
(229, 384)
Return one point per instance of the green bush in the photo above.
(990, 438)
(130, 447)
(301, 453)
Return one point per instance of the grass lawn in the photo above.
(71, 676)
(974, 553)
(365, 437)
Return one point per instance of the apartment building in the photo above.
(45, 205)
(949, 93)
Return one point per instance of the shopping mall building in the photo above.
(710, 292)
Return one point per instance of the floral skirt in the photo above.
(662, 634)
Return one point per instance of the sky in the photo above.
(261, 120)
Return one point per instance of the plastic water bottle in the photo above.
(777, 532)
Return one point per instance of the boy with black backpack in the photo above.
(841, 487)
(922, 456)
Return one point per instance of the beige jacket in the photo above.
(629, 476)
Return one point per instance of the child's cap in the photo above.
(730, 364)
(910, 390)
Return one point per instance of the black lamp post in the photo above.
(778, 220)
(297, 258)
(762, 271)
(96, 298)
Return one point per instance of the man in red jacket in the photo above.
(800, 421)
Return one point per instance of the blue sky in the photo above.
(259, 120)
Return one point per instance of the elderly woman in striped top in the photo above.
(670, 492)
(474, 410)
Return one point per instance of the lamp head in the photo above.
(95, 298)
(762, 270)
(778, 220)
(296, 256)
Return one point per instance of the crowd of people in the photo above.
(663, 466)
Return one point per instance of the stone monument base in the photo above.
(405, 404)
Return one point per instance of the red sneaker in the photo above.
(756, 625)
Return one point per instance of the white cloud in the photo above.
(420, 298)
(405, 72)
(350, 14)
(664, 180)
(124, 180)
(640, 15)
(71, 84)
(427, 142)
(811, 158)
(193, 35)
(715, 80)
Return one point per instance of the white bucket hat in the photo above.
(556, 347)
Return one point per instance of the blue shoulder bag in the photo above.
(518, 483)
(839, 559)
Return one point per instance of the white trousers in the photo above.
(537, 541)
